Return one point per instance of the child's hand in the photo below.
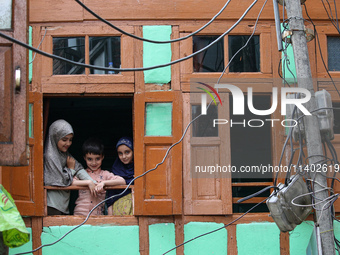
(100, 187)
(92, 188)
(70, 162)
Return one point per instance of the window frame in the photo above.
(245, 28)
(323, 33)
(84, 83)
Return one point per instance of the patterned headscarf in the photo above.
(56, 172)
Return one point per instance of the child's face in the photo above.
(65, 143)
(93, 161)
(125, 154)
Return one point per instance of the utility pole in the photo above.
(312, 131)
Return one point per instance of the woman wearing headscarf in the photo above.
(124, 167)
(60, 167)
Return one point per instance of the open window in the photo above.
(107, 118)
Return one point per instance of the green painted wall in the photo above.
(258, 239)
(24, 248)
(158, 119)
(215, 243)
(299, 238)
(30, 66)
(118, 240)
(288, 63)
(162, 238)
(156, 54)
(252, 239)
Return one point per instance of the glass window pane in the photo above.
(158, 119)
(203, 126)
(333, 45)
(248, 59)
(6, 14)
(336, 127)
(72, 48)
(104, 51)
(210, 60)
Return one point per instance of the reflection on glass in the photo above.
(72, 48)
(203, 126)
(105, 51)
(333, 46)
(5, 14)
(248, 59)
(210, 60)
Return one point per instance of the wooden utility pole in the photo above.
(312, 131)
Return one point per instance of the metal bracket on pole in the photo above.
(309, 33)
(281, 2)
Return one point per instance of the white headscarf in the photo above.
(56, 172)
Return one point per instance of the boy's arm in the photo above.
(89, 183)
(117, 181)
(83, 175)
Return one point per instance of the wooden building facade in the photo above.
(171, 205)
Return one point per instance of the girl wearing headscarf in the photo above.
(124, 167)
(60, 167)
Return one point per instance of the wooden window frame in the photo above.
(244, 28)
(87, 83)
(261, 87)
(74, 187)
(221, 201)
(323, 32)
(14, 149)
(154, 199)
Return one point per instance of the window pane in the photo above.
(336, 127)
(6, 14)
(250, 146)
(72, 48)
(202, 127)
(104, 51)
(333, 45)
(210, 60)
(248, 59)
(158, 119)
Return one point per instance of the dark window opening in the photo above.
(104, 51)
(202, 126)
(333, 47)
(336, 112)
(72, 48)
(250, 146)
(210, 60)
(106, 118)
(248, 59)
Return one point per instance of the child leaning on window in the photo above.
(60, 167)
(93, 152)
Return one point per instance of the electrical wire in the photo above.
(39, 46)
(166, 154)
(148, 40)
(245, 45)
(334, 23)
(224, 226)
(318, 42)
(129, 69)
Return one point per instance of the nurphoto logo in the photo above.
(238, 103)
